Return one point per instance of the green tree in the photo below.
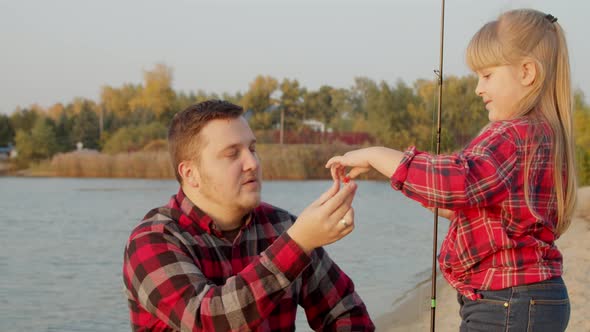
(291, 103)
(343, 103)
(582, 135)
(63, 131)
(360, 96)
(391, 118)
(581, 121)
(23, 119)
(134, 138)
(86, 125)
(258, 100)
(463, 111)
(38, 144)
(235, 98)
(319, 105)
(6, 131)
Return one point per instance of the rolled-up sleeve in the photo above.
(481, 174)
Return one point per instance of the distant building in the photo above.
(315, 125)
(7, 152)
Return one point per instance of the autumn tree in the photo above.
(116, 105)
(259, 102)
(156, 95)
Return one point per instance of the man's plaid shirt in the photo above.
(180, 273)
(494, 240)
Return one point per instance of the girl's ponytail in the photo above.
(564, 136)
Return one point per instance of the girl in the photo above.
(511, 192)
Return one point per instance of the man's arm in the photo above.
(164, 279)
(329, 299)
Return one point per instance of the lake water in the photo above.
(62, 244)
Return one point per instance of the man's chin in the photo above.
(252, 201)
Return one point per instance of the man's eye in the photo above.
(231, 154)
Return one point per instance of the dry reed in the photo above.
(279, 162)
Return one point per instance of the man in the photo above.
(217, 259)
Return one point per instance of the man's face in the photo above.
(229, 168)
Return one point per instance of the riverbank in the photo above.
(413, 313)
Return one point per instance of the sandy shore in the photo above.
(413, 314)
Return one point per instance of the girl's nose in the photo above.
(479, 88)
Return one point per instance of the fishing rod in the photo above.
(439, 74)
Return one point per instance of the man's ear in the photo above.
(528, 72)
(189, 173)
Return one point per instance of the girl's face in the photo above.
(501, 88)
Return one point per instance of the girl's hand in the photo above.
(358, 160)
(447, 214)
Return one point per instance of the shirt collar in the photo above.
(197, 217)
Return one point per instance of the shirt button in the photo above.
(506, 304)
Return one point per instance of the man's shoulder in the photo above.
(157, 220)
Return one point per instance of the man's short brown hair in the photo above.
(183, 135)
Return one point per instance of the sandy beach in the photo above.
(413, 314)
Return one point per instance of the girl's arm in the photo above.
(382, 159)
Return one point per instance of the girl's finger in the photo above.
(333, 160)
(356, 171)
(335, 173)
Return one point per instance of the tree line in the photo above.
(134, 117)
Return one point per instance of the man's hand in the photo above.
(328, 219)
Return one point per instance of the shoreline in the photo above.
(412, 312)
(409, 307)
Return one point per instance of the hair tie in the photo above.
(551, 18)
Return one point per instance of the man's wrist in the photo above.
(297, 238)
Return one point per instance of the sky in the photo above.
(54, 51)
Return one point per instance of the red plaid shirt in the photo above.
(182, 274)
(494, 240)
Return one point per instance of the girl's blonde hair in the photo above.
(529, 34)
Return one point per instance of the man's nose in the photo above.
(251, 161)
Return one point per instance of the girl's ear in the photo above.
(189, 173)
(528, 72)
